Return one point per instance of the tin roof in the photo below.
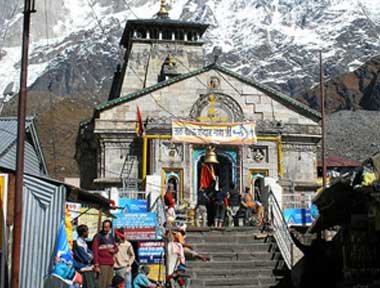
(34, 160)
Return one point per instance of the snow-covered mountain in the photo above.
(75, 43)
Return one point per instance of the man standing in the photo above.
(83, 257)
(104, 248)
(233, 209)
(201, 210)
(247, 205)
(220, 205)
(124, 258)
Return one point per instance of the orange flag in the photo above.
(207, 176)
(139, 124)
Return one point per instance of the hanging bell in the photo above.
(211, 157)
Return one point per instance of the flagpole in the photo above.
(29, 8)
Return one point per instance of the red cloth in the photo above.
(207, 176)
(169, 200)
(226, 202)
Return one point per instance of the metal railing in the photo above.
(159, 207)
(288, 249)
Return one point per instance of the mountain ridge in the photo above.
(274, 42)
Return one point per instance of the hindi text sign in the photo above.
(243, 133)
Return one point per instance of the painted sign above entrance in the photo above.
(224, 133)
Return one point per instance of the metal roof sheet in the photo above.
(8, 133)
(34, 160)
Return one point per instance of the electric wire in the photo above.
(130, 9)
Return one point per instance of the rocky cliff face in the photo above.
(353, 135)
(357, 90)
(75, 50)
(74, 43)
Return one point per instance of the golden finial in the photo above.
(163, 10)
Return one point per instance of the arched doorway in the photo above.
(256, 183)
(223, 171)
(174, 178)
(227, 170)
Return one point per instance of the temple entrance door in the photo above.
(223, 171)
(226, 170)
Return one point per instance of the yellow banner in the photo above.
(243, 133)
(89, 218)
(3, 198)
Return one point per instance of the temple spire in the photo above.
(163, 13)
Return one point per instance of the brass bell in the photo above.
(211, 157)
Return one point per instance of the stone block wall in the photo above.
(146, 59)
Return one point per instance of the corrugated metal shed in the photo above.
(43, 212)
(8, 134)
(34, 160)
(32, 164)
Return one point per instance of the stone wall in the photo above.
(300, 161)
(273, 118)
(260, 158)
(146, 59)
(177, 100)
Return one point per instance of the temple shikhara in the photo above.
(180, 106)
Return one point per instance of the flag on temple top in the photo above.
(139, 123)
(207, 176)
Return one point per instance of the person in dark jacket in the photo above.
(104, 248)
(220, 205)
(201, 210)
(83, 258)
(234, 206)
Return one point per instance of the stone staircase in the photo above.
(238, 258)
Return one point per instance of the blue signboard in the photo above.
(298, 216)
(133, 205)
(135, 220)
(151, 252)
(138, 226)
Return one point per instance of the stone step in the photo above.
(243, 229)
(232, 265)
(231, 247)
(240, 286)
(230, 238)
(233, 282)
(208, 272)
(241, 256)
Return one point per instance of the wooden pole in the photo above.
(322, 88)
(21, 115)
(323, 154)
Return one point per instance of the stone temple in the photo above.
(165, 74)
